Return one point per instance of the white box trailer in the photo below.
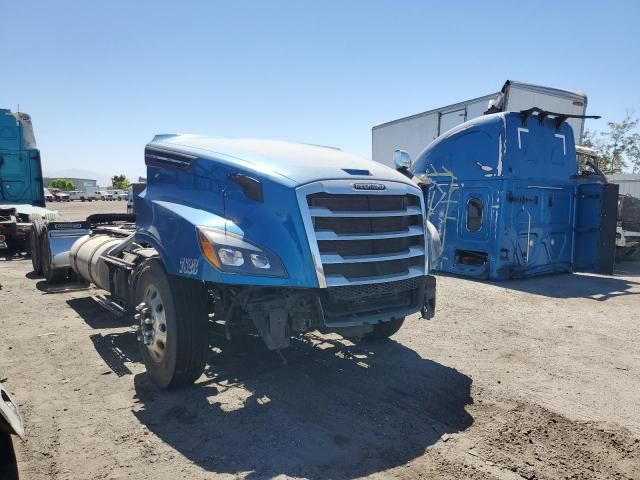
(629, 183)
(415, 132)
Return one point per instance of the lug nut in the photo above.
(136, 316)
(140, 306)
(148, 321)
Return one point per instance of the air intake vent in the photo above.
(353, 171)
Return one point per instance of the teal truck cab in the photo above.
(21, 189)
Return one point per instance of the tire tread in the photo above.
(192, 349)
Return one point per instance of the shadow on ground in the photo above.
(576, 285)
(628, 268)
(596, 287)
(89, 309)
(330, 412)
(116, 349)
(66, 287)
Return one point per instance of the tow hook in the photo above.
(428, 309)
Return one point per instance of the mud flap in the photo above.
(428, 309)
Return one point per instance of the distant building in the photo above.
(629, 183)
(80, 183)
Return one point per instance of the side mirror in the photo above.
(401, 159)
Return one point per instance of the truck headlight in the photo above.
(231, 253)
(229, 256)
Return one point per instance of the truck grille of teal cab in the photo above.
(365, 238)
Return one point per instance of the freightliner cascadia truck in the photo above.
(271, 237)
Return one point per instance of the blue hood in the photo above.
(291, 164)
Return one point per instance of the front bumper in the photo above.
(373, 303)
(275, 311)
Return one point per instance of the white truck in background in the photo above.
(415, 132)
(87, 194)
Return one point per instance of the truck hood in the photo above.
(31, 210)
(290, 163)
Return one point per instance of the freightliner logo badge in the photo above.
(369, 186)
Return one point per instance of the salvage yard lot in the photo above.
(524, 379)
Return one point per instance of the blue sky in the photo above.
(101, 78)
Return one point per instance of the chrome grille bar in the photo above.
(332, 258)
(339, 280)
(325, 212)
(410, 232)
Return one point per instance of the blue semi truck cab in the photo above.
(267, 237)
(508, 200)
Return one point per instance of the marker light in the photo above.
(208, 251)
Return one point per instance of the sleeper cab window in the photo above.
(474, 214)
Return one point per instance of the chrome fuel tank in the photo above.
(87, 258)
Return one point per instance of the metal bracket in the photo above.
(272, 327)
(543, 114)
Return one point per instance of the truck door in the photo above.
(15, 177)
(595, 227)
(526, 219)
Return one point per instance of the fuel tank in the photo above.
(87, 258)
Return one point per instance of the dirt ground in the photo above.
(536, 379)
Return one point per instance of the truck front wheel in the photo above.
(172, 314)
(385, 330)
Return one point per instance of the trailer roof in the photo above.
(560, 92)
(454, 106)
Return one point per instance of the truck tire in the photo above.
(34, 247)
(382, 331)
(173, 318)
(52, 275)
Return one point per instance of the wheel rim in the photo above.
(153, 323)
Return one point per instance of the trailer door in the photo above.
(451, 119)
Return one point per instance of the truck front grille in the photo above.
(368, 237)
